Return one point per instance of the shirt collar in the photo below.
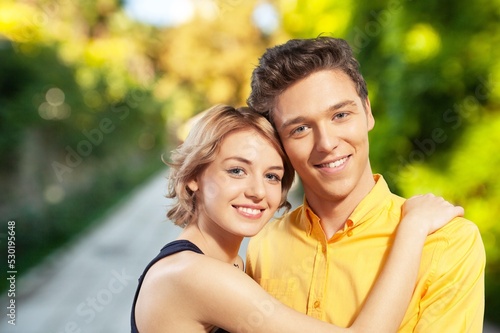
(373, 203)
(368, 207)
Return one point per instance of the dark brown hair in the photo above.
(201, 147)
(283, 65)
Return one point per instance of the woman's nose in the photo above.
(256, 189)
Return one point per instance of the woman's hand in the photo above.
(430, 211)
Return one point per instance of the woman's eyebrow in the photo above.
(246, 161)
(239, 159)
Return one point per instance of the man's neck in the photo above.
(334, 218)
(334, 212)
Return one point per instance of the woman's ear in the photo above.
(193, 185)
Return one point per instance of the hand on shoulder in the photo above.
(429, 211)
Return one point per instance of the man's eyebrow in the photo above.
(293, 121)
(342, 104)
(333, 108)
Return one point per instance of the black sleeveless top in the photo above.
(169, 249)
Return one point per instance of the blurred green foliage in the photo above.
(79, 126)
(89, 99)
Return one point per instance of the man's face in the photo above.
(324, 127)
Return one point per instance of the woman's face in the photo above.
(240, 191)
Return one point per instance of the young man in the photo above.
(323, 258)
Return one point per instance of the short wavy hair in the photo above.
(200, 149)
(283, 65)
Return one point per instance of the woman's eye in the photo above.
(236, 171)
(273, 177)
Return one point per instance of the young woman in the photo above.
(229, 177)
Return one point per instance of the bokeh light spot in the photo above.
(55, 96)
(54, 194)
(422, 42)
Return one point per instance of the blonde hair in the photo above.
(200, 149)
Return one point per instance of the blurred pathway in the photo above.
(88, 286)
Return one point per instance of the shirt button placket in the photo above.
(318, 281)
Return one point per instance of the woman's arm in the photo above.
(208, 291)
(387, 303)
(244, 307)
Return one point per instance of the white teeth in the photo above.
(336, 163)
(249, 210)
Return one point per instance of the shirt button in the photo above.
(349, 233)
(317, 304)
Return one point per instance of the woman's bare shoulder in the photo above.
(173, 268)
(170, 293)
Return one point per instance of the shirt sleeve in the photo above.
(454, 298)
(249, 265)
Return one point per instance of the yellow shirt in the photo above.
(329, 279)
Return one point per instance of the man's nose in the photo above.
(325, 139)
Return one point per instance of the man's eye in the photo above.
(299, 130)
(341, 115)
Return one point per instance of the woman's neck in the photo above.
(217, 244)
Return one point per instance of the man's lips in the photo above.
(334, 164)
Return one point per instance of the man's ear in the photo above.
(193, 185)
(369, 116)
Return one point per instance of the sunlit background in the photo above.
(93, 92)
